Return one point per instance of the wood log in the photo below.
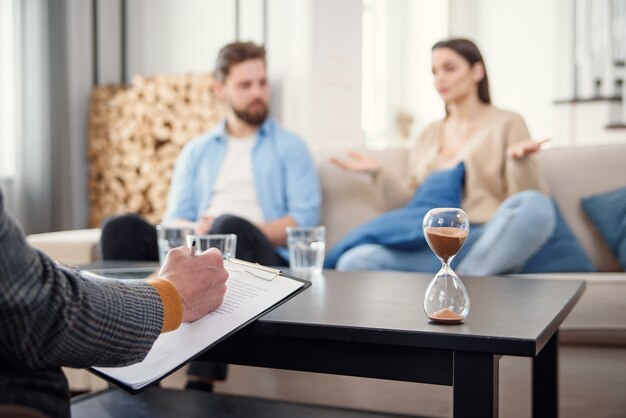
(135, 135)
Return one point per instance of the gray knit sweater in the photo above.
(52, 316)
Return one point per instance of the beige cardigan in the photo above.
(490, 176)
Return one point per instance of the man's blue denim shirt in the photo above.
(284, 173)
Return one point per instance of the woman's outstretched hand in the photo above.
(357, 163)
(524, 148)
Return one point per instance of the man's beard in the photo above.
(255, 118)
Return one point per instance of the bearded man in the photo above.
(247, 176)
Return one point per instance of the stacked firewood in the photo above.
(135, 136)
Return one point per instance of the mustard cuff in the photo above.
(172, 304)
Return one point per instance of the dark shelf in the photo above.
(616, 126)
(589, 100)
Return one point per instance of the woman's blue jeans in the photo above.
(521, 225)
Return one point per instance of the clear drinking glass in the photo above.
(226, 243)
(170, 236)
(446, 300)
(307, 246)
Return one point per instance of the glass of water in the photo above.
(170, 236)
(226, 243)
(307, 246)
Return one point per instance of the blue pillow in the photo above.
(607, 212)
(562, 252)
(402, 228)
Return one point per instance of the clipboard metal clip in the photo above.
(253, 269)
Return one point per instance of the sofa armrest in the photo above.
(69, 247)
(599, 317)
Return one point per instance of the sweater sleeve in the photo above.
(520, 174)
(52, 316)
(172, 304)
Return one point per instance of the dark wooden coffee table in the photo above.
(373, 325)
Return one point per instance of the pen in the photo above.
(192, 250)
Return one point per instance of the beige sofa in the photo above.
(593, 337)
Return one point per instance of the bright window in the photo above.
(8, 114)
(386, 112)
(374, 74)
(398, 98)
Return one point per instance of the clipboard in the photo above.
(165, 356)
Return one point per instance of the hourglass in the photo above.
(446, 299)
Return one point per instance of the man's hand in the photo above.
(275, 231)
(203, 226)
(524, 148)
(357, 163)
(200, 280)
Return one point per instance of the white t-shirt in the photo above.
(234, 191)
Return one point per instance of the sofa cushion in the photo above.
(402, 228)
(349, 199)
(562, 252)
(607, 212)
(573, 173)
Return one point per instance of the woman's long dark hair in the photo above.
(468, 50)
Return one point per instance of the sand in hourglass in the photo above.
(445, 243)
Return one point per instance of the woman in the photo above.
(510, 216)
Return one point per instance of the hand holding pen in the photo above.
(253, 269)
(200, 280)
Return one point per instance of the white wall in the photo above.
(335, 81)
(251, 25)
(289, 61)
(528, 47)
(518, 40)
(429, 25)
(313, 53)
(314, 57)
(166, 36)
